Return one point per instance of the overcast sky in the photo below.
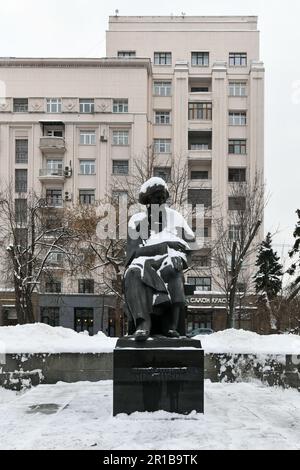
(76, 28)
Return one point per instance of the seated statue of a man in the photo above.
(157, 252)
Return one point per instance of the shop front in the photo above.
(209, 310)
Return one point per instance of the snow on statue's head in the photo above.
(154, 191)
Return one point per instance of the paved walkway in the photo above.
(79, 416)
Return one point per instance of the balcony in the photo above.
(200, 155)
(200, 96)
(52, 144)
(200, 183)
(52, 174)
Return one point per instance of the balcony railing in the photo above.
(52, 172)
(52, 144)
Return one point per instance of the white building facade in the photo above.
(188, 89)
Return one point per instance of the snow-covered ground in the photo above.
(40, 338)
(79, 416)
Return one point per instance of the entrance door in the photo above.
(84, 320)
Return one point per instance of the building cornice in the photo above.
(110, 62)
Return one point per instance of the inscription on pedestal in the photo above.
(151, 377)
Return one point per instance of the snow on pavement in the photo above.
(41, 338)
(79, 416)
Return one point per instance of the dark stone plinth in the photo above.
(159, 374)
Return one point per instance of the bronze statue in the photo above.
(157, 252)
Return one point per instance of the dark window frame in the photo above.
(200, 59)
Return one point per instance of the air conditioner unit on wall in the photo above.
(68, 172)
(68, 196)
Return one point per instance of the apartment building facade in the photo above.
(189, 90)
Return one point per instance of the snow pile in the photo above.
(41, 338)
(247, 342)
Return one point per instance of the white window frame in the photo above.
(87, 167)
(54, 105)
(237, 118)
(162, 146)
(86, 105)
(54, 167)
(120, 137)
(234, 233)
(87, 137)
(162, 117)
(120, 106)
(238, 89)
(162, 88)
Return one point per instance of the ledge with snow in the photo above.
(38, 353)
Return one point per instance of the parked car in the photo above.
(200, 331)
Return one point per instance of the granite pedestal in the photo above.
(158, 374)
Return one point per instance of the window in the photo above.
(237, 89)
(55, 133)
(237, 203)
(120, 167)
(200, 196)
(162, 145)
(201, 283)
(21, 181)
(87, 196)
(236, 175)
(237, 59)
(54, 167)
(50, 315)
(20, 211)
(234, 233)
(53, 287)
(162, 88)
(54, 105)
(162, 172)
(200, 59)
(120, 138)
(54, 197)
(120, 106)
(237, 118)
(86, 286)
(84, 320)
(195, 146)
(199, 175)
(22, 151)
(87, 137)
(162, 58)
(162, 117)
(199, 89)
(55, 258)
(87, 167)
(126, 54)
(87, 105)
(200, 111)
(237, 147)
(20, 105)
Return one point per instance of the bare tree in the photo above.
(30, 245)
(232, 253)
